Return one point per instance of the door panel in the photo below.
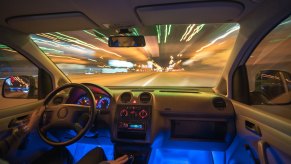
(8, 116)
(272, 144)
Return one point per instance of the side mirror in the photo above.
(274, 86)
(21, 87)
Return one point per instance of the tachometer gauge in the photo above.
(103, 103)
(84, 101)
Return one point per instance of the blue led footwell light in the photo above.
(182, 156)
(78, 150)
(161, 153)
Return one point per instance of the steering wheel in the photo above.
(66, 116)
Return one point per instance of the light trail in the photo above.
(196, 31)
(96, 37)
(149, 81)
(158, 29)
(166, 34)
(68, 57)
(92, 60)
(103, 35)
(70, 39)
(169, 31)
(135, 31)
(187, 32)
(233, 29)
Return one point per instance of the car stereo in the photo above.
(133, 121)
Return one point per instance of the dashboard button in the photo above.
(123, 113)
(143, 114)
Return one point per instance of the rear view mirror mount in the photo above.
(126, 41)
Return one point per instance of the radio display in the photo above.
(136, 126)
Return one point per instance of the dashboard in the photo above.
(175, 118)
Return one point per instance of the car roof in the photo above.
(33, 16)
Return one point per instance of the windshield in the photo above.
(191, 55)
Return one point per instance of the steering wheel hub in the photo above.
(63, 112)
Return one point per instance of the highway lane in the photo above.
(199, 79)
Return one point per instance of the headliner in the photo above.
(34, 16)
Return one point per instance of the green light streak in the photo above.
(169, 31)
(101, 40)
(3, 46)
(166, 34)
(135, 31)
(87, 32)
(98, 38)
(158, 33)
(104, 36)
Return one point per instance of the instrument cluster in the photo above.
(102, 101)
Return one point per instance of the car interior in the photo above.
(161, 81)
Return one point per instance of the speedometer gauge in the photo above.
(103, 103)
(84, 100)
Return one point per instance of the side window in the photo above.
(269, 68)
(18, 78)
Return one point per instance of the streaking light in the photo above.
(92, 60)
(195, 31)
(233, 29)
(188, 30)
(67, 57)
(103, 36)
(169, 31)
(119, 63)
(158, 29)
(191, 31)
(100, 39)
(74, 40)
(114, 70)
(166, 34)
(135, 31)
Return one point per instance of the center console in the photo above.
(132, 126)
(133, 122)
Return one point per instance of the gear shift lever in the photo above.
(130, 159)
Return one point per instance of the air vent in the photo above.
(145, 97)
(125, 97)
(219, 103)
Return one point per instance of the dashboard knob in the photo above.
(143, 114)
(123, 113)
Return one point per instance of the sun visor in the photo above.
(51, 22)
(192, 12)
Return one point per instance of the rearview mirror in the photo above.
(274, 86)
(21, 87)
(126, 41)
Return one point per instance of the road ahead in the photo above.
(150, 79)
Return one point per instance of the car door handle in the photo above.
(19, 121)
(253, 128)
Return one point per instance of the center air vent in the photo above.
(125, 97)
(145, 97)
(219, 103)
